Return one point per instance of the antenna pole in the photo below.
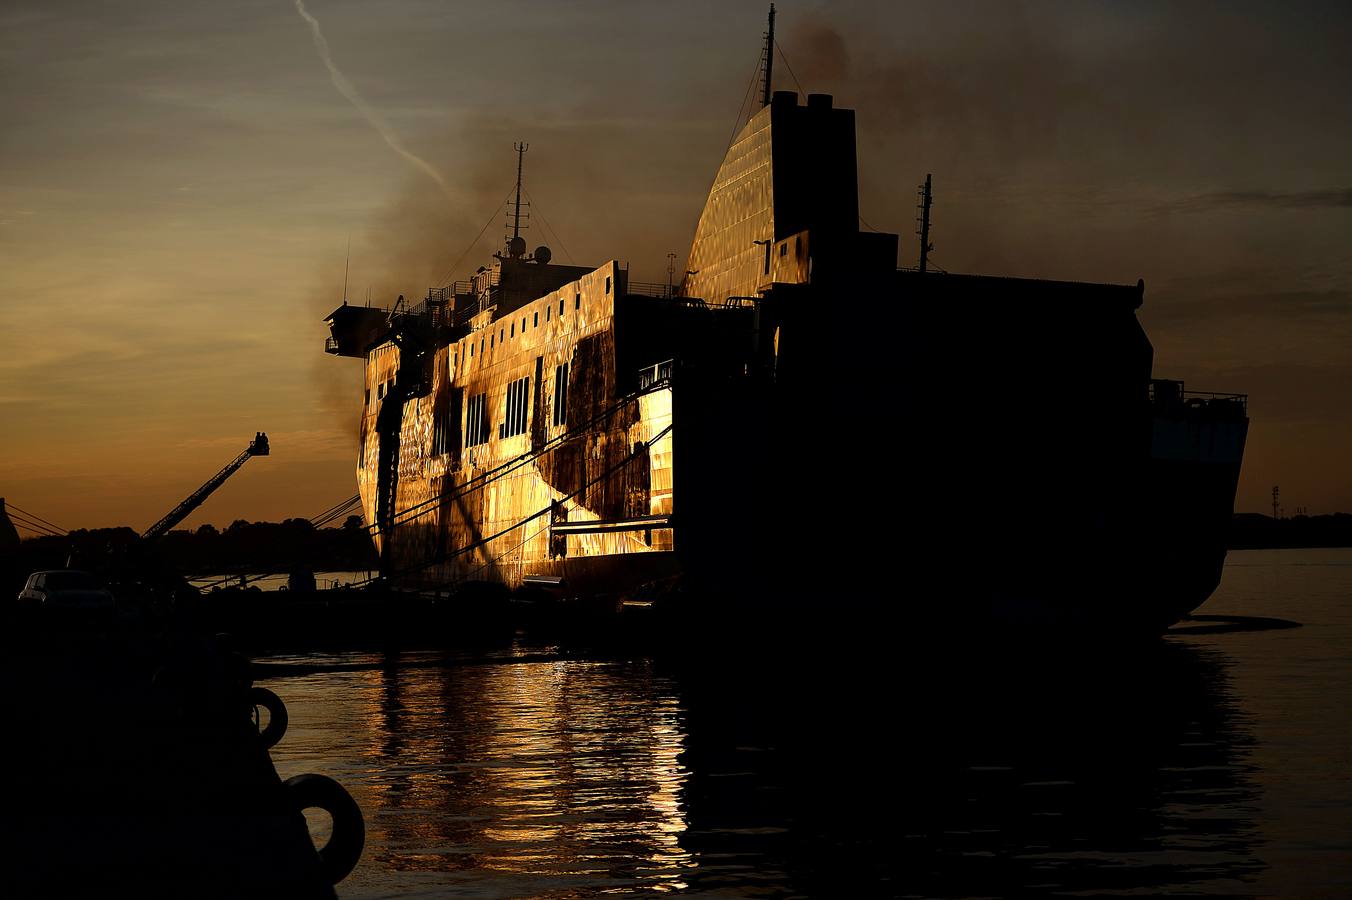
(516, 215)
(926, 200)
(347, 265)
(769, 58)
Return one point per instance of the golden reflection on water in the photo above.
(1205, 764)
(531, 769)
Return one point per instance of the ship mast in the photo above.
(520, 149)
(769, 58)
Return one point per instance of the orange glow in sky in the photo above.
(179, 183)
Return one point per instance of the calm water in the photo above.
(1213, 764)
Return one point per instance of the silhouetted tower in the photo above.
(1275, 508)
(926, 200)
(768, 58)
(671, 272)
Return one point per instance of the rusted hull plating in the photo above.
(522, 457)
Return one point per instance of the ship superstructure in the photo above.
(799, 415)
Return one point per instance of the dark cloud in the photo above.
(1331, 307)
(1327, 198)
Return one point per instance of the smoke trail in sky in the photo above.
(376, 120)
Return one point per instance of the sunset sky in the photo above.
(179, 182)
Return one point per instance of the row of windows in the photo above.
(517, 418)
(561, 394)
(441, 435)
(443, 428)
(518, 404)
(510, 331)
(476, 421)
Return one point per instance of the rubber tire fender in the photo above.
(339, 856)
(277, 717)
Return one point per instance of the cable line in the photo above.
(558, 240)
(34, 516)
(41, 532)
(446, 279)
(801, 92)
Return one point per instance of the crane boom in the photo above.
(257, 447)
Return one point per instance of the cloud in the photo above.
(1325, 198)
(1330, 307)
(372, 116)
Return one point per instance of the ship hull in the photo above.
(801, 431)
(697, 489)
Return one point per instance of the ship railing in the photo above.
(651, 289)
(1170, 396)
(482, 281)
(448, 292)
(445, 307)
(424, 309)
(655, 374)
(672, 292)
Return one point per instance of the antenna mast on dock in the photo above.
(768, 58)
(926, 200)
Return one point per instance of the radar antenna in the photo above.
(768, 58)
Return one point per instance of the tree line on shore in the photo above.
(242, 547)
(1255, 531)
(254, 547)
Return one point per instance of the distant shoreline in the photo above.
(1255, 531)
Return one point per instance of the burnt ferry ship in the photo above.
(799, 423)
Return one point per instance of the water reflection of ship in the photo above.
(526, 774)
(1092, 776)
(772, 420)
(525, 778)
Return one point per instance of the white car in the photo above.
(65, 589)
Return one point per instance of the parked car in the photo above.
(65, 589)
